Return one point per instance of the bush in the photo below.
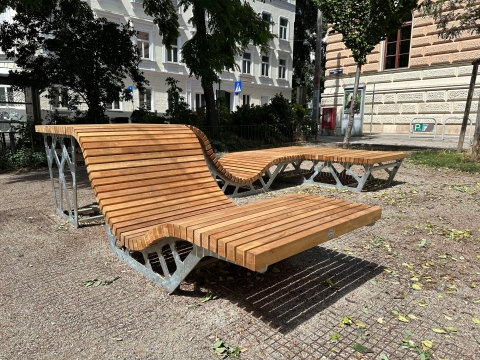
(24, 158)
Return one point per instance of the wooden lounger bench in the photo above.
(164, 212)
(347, 169)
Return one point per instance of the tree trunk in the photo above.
(473, 79)
(210, 108)
(476, 138)
(348, 131)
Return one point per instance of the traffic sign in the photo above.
(130, 88)
(237, 87)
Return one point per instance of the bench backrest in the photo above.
(145, 175)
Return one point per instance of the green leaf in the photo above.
(451, 328)
(413, 317)
(476, 301)
(422, 303)
(476, 321)
(275, 270)
(218, 343)
(347, 320)
(439, 331)
(427, 344)
(335, 337)
(383, 357)
(359, 348)
(417, 286)
(403, 318)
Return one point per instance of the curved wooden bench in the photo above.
(156, 192)
(242, 169)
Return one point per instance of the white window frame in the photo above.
(283, 30)
(247, 61)
(9, 96)
(271, 19)
(262, 97)
(247, 98)
(113, 106)
(282, 68)
(144, 95)
(170, 52)
(265, 67)
(151, 47)
(58, 102)
(200, 96)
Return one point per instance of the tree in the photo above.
(303, 62)
(363, 24)
(224, 29)
(454, 18)
(66, 50)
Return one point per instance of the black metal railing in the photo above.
(259, 135)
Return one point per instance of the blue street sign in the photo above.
(130, 88)
(336, 72)
(237, 87)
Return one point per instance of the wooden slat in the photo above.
(152, 181)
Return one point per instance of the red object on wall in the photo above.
(329, 116)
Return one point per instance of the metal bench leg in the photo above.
(169, 279)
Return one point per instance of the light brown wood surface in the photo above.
(245, 167)
(152, 181)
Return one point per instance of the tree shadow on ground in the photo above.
(292, 291)
(44, 175)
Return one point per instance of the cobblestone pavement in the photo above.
(295, 310)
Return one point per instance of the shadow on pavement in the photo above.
(292, 291)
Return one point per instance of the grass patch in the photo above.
(445, 159)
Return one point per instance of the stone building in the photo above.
(413, 76)
(262, 75)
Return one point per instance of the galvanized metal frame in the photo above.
(65, 206)
(318, 170)
(169, 280)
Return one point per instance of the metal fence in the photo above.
(262, 133)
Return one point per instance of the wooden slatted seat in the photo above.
(157, 196)
(240, 169)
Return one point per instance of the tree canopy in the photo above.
(224, 29)
(363, 25)
(305, 39)
(67, 46)
(454, 17)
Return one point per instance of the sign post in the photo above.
(237, 89)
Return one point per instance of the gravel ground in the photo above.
(409, 278)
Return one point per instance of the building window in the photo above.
(268, 18)
(143, 44)
(199, 101)
(246, 63)
(265, 65)
(397, 46)
(282, 69)
(60, 98)
(246, 99)
(145, 99)
(113, 105)
(6, 94)
(283, 29)
(172, 53)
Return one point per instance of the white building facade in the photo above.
(262, 75)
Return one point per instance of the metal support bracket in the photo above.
(166, 263)
(65, 197)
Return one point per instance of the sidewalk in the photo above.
(400, 141)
